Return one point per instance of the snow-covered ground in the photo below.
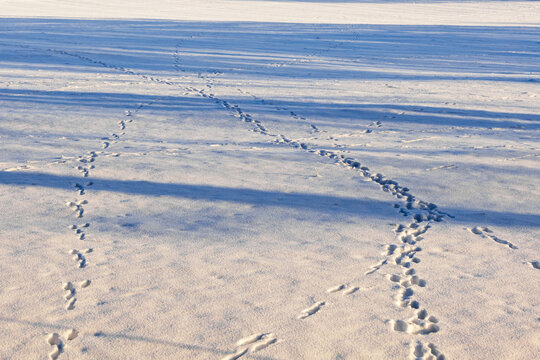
(269, 180)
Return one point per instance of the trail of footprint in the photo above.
(293, 114)
(78, 256)
(84, 168)
(487, 233)
(313, 309)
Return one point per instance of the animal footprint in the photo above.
(350, 290)
(415, 280)
(54, 340)
(487, 233)
(535, 264)
(311, 310)
(335, 288)
(257, 341)
(84, 170)
(376, 267)
(346, 290)
(421, 323)
(415, 326)
(88, 158)
(398, 325)
(421, 352)
(70, 295)
(78, 229)
(78, 257)
(390, 249)
(404, 296)
(77, 207)
(71, 334)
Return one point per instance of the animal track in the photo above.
(311, 310)
(344, 289)
(335, 288)
(405, 255)
(71, 334)
(77, 207)
(416, 325)
(376, 267)
(69, 296)
(294, 115)
(350, 290)
(78, 257)
(78, 229)
(419, 351)
(253, 343)
(80, 188)
(487, 233)
(54, 340)
(535, 264)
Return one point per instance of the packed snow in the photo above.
(269, 179)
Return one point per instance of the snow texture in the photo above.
(269, 179)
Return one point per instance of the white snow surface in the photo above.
(269, 180)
